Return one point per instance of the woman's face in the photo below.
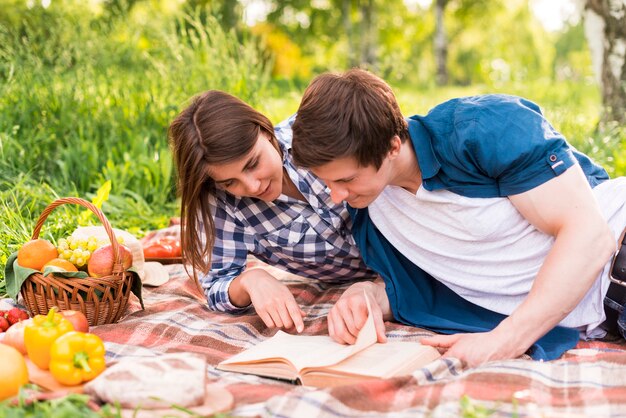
(258, 174)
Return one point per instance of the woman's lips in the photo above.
(264, 192)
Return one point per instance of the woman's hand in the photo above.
(271, 299)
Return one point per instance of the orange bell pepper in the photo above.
(39, 336)
(77, 357)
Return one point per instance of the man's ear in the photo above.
(396, 146)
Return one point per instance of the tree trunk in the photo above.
(441, 44)
(605, 29)
(346, 9)
(368, 46)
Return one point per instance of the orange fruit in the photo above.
(13, 373)
(35, 253)
(61, 263)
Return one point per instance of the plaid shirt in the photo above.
(311, 238)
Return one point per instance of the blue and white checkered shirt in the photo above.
(311, 238)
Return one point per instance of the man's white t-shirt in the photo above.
(484, 250)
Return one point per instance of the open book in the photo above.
(319, 361)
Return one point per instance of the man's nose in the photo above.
(338, 194)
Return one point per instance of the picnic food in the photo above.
(40, 335)
(14, 336)
(4, 324)
(13, 372)
(156, 382)
(102, 299)
(101, 261)
(76, 357)
(163, 248)
(61, 263)
(77, 250)
(78, 320)
(15, 315)
(10, 322)
(35, 253)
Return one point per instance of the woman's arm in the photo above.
(231, 288)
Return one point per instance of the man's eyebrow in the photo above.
(347, 178)
(245, 167)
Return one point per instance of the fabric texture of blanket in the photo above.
(587, 381)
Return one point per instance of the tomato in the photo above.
(157, 251)
(173, 243)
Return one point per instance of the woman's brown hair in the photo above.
(353, 114)
(216, 128)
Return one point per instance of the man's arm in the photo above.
(565, 208)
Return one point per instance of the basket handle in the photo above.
(117, 263)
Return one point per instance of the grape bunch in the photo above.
(78, 250)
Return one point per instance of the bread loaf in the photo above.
(153, 383)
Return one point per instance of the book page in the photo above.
(306, 350)
(393, 358)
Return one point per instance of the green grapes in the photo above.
(78, 250)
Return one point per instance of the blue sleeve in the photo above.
(228, 260)
(507, 139)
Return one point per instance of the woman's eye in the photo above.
(225, 184)
(253, 164)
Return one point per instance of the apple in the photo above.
(78, 320)
(15, 336)
(101, 261)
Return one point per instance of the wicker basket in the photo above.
(102, 300)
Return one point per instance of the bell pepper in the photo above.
(77, 357)
(39, 336)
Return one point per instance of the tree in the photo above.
(441, 43)
(605, 29)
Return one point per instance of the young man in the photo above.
(481, 219)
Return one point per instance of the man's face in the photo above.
(358, 186)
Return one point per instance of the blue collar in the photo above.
(420, 138)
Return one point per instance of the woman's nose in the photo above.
(253, 185)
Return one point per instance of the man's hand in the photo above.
(477, 348)
(271, 299)
(349, 314)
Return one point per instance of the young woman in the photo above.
(241, 194)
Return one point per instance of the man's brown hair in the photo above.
(353, 114)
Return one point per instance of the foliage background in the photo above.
(87, 88)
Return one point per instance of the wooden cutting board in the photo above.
(217, 399)
(44, 379)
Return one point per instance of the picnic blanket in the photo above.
(588, 381)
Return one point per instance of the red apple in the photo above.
(101, 261)
(15, 336)
(78, 319)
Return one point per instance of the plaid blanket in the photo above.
(587, 381)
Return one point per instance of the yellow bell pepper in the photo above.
(77, 357)
(39, 336)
